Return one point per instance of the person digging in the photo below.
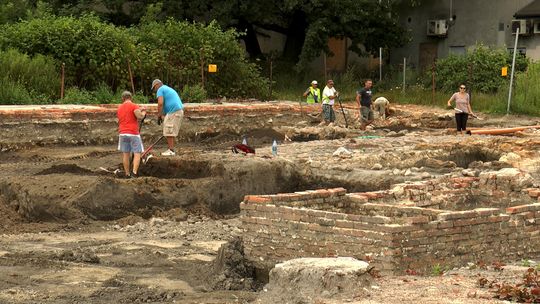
(170, 111)
(129, 138)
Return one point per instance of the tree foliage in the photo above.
(179, 52)
(97, 53)
(92, 51)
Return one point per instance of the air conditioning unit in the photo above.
(437, 28)
(523, 25)
(536, 27)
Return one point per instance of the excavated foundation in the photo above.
(444, 221)
(403, 196)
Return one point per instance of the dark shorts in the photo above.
(130, 144)
(328, 112)
(367, 113)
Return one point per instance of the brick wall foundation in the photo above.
(447, 221)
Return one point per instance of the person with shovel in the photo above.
(462, 108)
(363, 98)
(328, 97)
(170, 112)
(129, 139)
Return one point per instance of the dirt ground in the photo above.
(73, 233)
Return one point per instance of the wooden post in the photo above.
(325, 78)
(433, 84)
(404, 70)
(131, 77)
(62, 81)
(271, 66)
(202, 68)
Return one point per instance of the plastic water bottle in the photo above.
(274, 148)
(244, 141)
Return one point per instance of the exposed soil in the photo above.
(74, 233)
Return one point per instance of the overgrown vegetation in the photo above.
(480, 69)
(26, 79)
(97, 57)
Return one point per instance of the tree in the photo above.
(307, 24)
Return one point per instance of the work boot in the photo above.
(169, 152)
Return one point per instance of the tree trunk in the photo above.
(250, 39)
(296, 35)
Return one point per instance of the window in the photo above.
(458, 50)
(521, 51)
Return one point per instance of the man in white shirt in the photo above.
(328, 97)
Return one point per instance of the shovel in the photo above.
(460, 111)
(145, 156)
(343, 111)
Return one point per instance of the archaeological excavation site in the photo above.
(407, 211)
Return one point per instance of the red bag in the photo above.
(243, 148)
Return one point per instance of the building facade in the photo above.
(438, 28)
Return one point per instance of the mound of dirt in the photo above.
(66, 168)
(231, 270)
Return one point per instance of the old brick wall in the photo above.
(391, 227)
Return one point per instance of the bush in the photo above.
(174, 51)
(103, 94)
(526, 97)
(38, 76)
(195, 93)
(75, 95)
(93, 51)
(13, 92)
(479, 69)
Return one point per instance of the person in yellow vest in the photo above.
(313, 93)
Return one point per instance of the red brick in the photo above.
(257, 199)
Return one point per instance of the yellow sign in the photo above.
(504, 71)
(212, 68)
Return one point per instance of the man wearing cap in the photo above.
(129, 139)
(313, 93)
(170, 111)
(328, 98)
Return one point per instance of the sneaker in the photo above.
(134, 175)
(169, 152)
(322, 123)
(331, 124)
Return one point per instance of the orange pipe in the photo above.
(501, 131)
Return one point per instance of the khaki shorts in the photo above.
(171, 123)
(367, 113)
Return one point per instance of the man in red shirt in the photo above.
(129, 139)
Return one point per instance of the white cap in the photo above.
(155, 82)
(314, 82)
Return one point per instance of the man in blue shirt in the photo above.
(170, 111)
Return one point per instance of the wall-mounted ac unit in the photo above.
(536, 27)
(437, 28)
(523, 25)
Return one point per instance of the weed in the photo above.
(525, 263)
(438, 270)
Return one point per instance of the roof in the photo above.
(531, 10)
